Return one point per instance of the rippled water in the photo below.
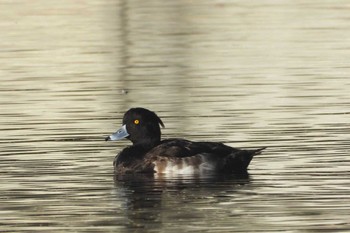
(250, 74)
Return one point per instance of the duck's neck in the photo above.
(147, 143)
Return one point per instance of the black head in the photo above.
(141, 126)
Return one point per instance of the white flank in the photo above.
(184, 167)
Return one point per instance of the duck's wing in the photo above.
(180, 148)
(180, 153)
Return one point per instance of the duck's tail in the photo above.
(257, 151)
(239, 161)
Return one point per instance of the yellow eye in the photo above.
(136, 122)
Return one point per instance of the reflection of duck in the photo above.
(146, 181)
(152, 202)
(172, 156)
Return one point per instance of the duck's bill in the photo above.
(120, 134)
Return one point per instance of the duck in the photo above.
(149, 154)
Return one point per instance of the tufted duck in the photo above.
(150, 154)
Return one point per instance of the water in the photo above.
(249, 74)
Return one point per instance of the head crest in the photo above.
(160, 121)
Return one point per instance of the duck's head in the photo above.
(141, 126)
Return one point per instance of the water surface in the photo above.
(249, 74)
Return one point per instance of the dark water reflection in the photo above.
(247, 73)
(165, 203)
(215, 203)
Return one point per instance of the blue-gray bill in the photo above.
(120, 134)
